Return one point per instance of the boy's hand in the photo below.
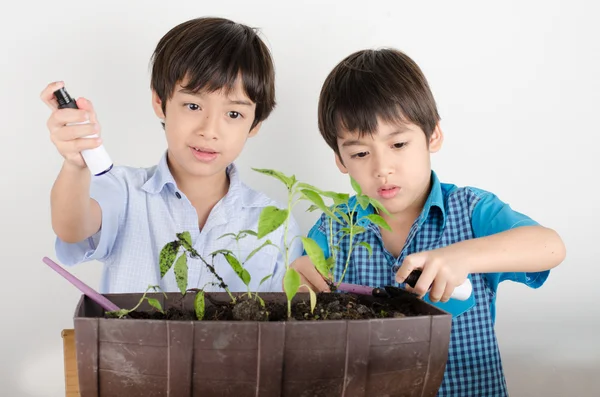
(68, 139)
(439, 272)
(309, 275)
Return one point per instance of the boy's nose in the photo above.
(208, 128)
(383, 169)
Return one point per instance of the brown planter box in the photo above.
(152, 358)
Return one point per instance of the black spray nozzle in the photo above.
(64, 99)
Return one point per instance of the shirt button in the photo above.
(178, 195)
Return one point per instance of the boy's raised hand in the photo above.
(69, 139)
(309, 275)
(441, 274)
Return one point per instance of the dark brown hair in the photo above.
(368, 84)
(211, 53)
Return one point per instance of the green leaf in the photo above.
(243, 233)
(379, 221)
(181, 273)
(355, 186)
(199, 305)
(358, 230)
(226, 235)
(155, 304)
(367, 246)
(268, 242)
(318, 201)
(379, 206)
(330, 263)
(344, 216)
(338, 198)
(262, 302)
(186, 240)
(291, 283)
(288, 181)
(167, 256)
(221, 251)
(268, 276)
(313, 299)
(270, 219)
(238, 269)
(312, 208)
(363, 201)
(119, 313)
(316, 255)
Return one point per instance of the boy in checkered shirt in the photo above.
(378, 115)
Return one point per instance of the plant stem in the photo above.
(222, 284)
(349, 244)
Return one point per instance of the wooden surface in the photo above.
(71, 380)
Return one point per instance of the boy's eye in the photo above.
(192, 106)
(359, 155)
(399, 145)
(234, 114)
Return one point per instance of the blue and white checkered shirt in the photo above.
(450, 215)
(142, 210)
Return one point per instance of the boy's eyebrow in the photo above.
(358, 142)
(231, 101)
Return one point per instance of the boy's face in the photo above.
(393, 165)
(206, 131)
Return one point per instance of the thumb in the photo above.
(86, 105)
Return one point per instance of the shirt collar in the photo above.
(435, 199)
(238, 193)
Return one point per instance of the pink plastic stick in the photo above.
(355, 289)
(83, 287)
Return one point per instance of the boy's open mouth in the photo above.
(388, 191)
(204, 155)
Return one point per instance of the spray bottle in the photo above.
(97, 160)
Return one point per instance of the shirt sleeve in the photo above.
(491, 216)
(110, 193)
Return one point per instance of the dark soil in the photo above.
(330, 306)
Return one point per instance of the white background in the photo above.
(518, 91)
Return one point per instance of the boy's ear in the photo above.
(436, 139)
(340, 165)
(157, 106)
(254, 130)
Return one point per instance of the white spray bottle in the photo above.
(97, 160)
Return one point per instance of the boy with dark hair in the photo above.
(212, 87)
(378, 115)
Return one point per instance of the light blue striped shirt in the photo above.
(142, 210)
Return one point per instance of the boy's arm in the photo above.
(75, 216)
(507, 246)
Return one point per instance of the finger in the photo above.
(69, 133)
(309, 272)
(315, 279)
(437, 290)
(447, 293)
(410, 263)
(86, 105)
(426, 279)
(47, 94)
(67, 116)
(77, 145)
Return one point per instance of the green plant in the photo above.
(342, 209)
(271, 218)
(151, 301)
(238, 265)
(176, 253)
